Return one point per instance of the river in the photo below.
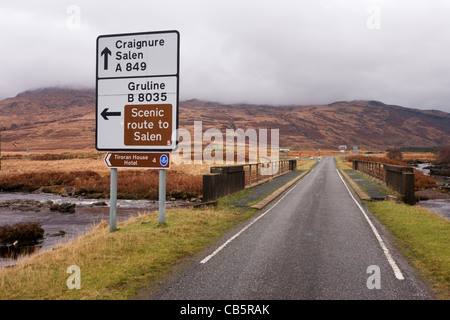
(439, 206)
(88, 213)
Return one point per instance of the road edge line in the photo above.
(206, 259)
(397, 272)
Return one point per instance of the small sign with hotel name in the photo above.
(142, 160)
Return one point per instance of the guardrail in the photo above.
(225, 180)
(398, 178)
(259, 172)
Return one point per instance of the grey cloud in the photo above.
(272, 52)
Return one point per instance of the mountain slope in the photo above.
(367, 124)
(64, 119)
(48, 119)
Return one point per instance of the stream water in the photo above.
(87, 214)
(439, 206)
(422, 167)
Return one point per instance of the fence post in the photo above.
(250, 175)
(408, 188)
(257, 173)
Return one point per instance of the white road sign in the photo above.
(137, 91)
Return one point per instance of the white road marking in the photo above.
(247, 226)
(395, 268)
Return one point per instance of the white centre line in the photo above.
(395, 268)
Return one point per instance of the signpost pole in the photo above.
(0, 149)
(113, 200)
(162, 196)
(1, 129)
(137, 81)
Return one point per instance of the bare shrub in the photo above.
(395, 154)
(422, 181)
(23, 232)
(443, 155)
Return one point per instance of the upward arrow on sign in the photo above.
(105, 53)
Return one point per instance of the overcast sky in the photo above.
(274, 52)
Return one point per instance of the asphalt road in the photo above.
(313, 242)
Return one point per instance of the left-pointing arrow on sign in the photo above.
(108, 163)
(105, 114)
(105, 53)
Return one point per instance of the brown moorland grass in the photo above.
(408, 157)
(422, 156)
(132, 184)
(18, 163)
(87, 175)
(26, 164)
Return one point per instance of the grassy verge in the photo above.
(114, 265)
(423, 236)
(306, 165)
(341, 164)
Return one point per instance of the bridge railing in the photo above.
(398, 178)
(259, 172)
(225, 180)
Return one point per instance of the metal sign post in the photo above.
(113, 200)
(137, 104)
(162, 196)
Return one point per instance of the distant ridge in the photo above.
(50, 119)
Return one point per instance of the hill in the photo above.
(54, 119)
(48, 119)
(367, 124)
